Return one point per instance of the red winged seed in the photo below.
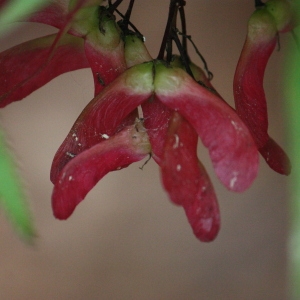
(231, 147)
(27, 67)
(135, 51)
(54, 14)
(186, 180)
(109, 64)
(276, 157)
(63, 15)
(156, 120)
(104, 115)
(104, 48)
(81, 174)
(3, 3)
(273, 154)
(179, 165)
(106, 64)
(203, 214)
(249, 95)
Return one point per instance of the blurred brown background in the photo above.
(126, 240)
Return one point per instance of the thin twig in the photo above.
(209, 73)
(182, 52)
(129, 10)
(113, 7)
(183, 27)
(166, 37)
(130, 24)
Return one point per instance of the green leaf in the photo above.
(12, 199)
(14, 10)
(293, 111)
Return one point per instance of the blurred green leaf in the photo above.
(12, 199)
(293, 112)
(14, 10)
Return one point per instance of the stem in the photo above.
(182, 52)
(169, 46)
(258, 3)
(113, 7)
(183, 28)
(122, 25)
(209, 73)
(166, 37)
(129, 10)
(126, 20)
